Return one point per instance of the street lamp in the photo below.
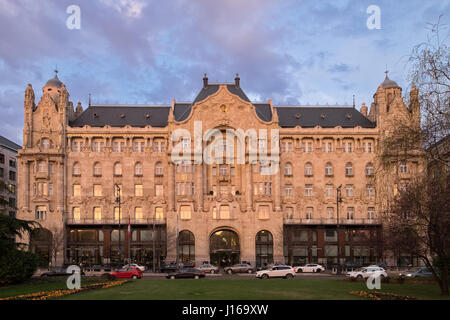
(118, 201)
(338, 200)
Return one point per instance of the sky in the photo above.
(150, 52)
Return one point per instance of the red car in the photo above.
(127, 273)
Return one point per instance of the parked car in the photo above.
(279, 271)
(127, 273)
(97, 267)
(417, 273)
(352, 265)
(57, 272)
(239, 268)
(188, 273)
(208, 268)
(367, 272)
(168, 268)
(311, 267)
(184, 265)
(134, 265)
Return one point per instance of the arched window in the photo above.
(138, 169)
(158, 169)
(76, 169)
(97, 169)
(328, 169)
(117, 169)
(264, 248)
(186, 247)
(288, 169)
(369, 169)
(308, 169)
(349, 170)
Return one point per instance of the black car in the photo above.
(184, 265)
(168, 268)
(57, 272)
(188, 273)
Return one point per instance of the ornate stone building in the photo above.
(73, 164)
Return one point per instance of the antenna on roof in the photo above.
(56, 70)
(353, 101)
(89, 99)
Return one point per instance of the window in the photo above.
(117, 169)
(118, 146)
(97, 169)
(347, 147)
(370, 191)
(77, 146)
(50, 189)
(286, 146)
(213, 170)
(50, 167)
(158, 169)
(367, 147)
(288, 190)
(12, 176)
(307, 146)
(330, 212)
(403, 168)
(97, 145)
(328, 169)
(138, 169)
(76, 169)
(138, 190)
(98, 190)
(76, 190)
(12, 163)
(12, 188)
(159, 190)
(370, 213)
(263, 212)
(331, 236)
(289, 213)
(159, 146)
(2, 158)
(214, 213)
(349, 190)
(185, 212)
(350, 213)
(223, 170)
(369, 170)
(328, 190)
(76, 213)
(40, 212)
(288, 169)
(327, 146)
(97, 213)
(224, 212)
(308, 170)
(159, 213)
(349, 170)
(138, 215)
(45, 143)
(138, 146)
(42, 166)
(116, 213)
(309, 213)
(308, 190)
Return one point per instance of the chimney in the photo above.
(363, 109)
(237, 80)
(205, 81)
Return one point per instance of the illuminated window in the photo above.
(97, 213)
(159, 213)
(185, 212)
(76, 213)
(263, 212)
(138, 190)
(98, 190)
(116, 213)
(117, 169)
(138, 215)
(76, 190)
(224, 212)
(159, 190)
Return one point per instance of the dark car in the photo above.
(239, 268)
(184, 265)
(171, 267)
(188, 273)
(55, 272)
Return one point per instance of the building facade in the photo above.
(8, 176)
(86, 174)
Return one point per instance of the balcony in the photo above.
(147, 221)
(324, 221)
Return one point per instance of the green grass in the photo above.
(230, 288)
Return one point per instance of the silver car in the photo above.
(208, 268)
(417, 273)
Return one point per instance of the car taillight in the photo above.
(203, 272)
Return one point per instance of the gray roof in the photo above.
(54, 82)
(9, 144)
(327, 117)
(388, 83)
(212, 88)
(120, 116)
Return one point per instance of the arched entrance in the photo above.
(264, 248)
(224, 249)
(186, 249)
(41, 243)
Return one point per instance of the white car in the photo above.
(278, 271)
(364, 273)
(311, 267)
(142, 268)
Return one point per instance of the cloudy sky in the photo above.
(149, 52)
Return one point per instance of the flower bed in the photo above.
(376, 295)
(44, 295)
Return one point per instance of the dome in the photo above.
(388, 83)
(54, 82)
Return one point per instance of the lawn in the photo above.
(234, 288)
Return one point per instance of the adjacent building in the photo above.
(85, 174)
(8, 176)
